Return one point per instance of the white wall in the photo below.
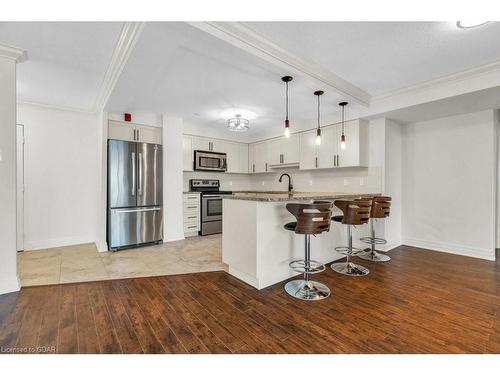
(449, 184)
(172, 179)
(61, 177)
(8, 269)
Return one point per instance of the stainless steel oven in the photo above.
(210, 161)
(211, 204)
(211, 214)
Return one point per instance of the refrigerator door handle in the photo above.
(127, 210)
(133, 173)
(139, 188)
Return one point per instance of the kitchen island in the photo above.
(256, 247)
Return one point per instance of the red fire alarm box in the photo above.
(127, 117)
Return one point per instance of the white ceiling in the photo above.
(181, 70)
(66, 60)
(384, 56)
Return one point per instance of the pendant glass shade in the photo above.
(318, 136)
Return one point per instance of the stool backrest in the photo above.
(381, 207)
(312, 218)
(355, 211)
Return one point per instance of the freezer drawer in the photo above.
(134, 226)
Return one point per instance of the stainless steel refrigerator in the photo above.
(135, 194)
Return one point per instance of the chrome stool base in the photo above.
(350, 269)
(307, 290)
(373, 256)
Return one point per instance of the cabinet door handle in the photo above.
(192, 217)
(253, 169)
(334, 160)
(138, 136)
(338, 160)
(316, 162)
(266, 167)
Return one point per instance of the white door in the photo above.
(122, 131)
(290, 149)
(261, 158)
(328, 149)
(202, 144)
(349, 157)
(243, 158)
(308, 150)
(233, 157)
(148, 134)
(218, 145)
(20, 187)
(251, 158)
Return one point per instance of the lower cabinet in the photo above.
(192, 215)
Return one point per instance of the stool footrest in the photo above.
(300, 266)
(345, 250)
(373, 240)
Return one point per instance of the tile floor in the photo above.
(83, 262)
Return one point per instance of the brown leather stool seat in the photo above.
(312, 218)
(381, 208)
(355, 212)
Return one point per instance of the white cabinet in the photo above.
(243, 148)
(187, 153)
(203, 144)
(290, 149)
(127, 131)
(329, 154)
(355, 153)
(209, 144)
(191, 214)
(237, 153)
(232, 150)
(259, 161)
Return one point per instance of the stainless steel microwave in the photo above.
(210, 161)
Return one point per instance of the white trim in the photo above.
(242, 276)
(173, 239)
(126, 43)
(56, 107)
(47, 244)
(488, 254)
(13, 53)
(245, 38)
(446, 79)
(10, 285)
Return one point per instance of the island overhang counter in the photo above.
(256, 247)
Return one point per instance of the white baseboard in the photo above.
(488, 254)
(102, 246)
(47, 244)
(177, 238)
(9, 285)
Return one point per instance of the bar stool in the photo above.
(355, 212)
(312, 218)
(381, 207)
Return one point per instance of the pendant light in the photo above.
(318, 130)
(342, 136)
(286, 79)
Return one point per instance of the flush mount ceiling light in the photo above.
(318, 130)
(238, 124)
(470, 24)
(286, 79)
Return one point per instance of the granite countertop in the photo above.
(283, 196)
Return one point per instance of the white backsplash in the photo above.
(358, 180)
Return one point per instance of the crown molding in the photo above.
(13, 53)
(126, 42)
(245, 38)
(56, 107)
(446, 79)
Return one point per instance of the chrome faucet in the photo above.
(290, 186)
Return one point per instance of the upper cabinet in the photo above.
(237, 153)
(283, 152)
(187, 153)
(329, 153)
(127, 131)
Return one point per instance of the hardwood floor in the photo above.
(420, 302)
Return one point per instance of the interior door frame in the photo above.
(20, 158)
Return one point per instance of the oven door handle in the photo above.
(211, 197)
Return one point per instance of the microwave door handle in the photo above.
(133, 173)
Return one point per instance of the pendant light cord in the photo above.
(343, 119)
(286, 95)
(318, 111)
